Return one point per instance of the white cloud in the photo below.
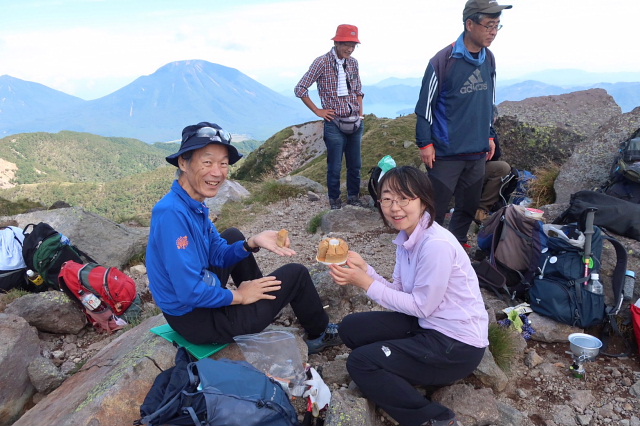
(275, 42)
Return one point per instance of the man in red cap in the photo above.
(337, 77)
(455, 113)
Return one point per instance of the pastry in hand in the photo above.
(333, 250)
(283, 234)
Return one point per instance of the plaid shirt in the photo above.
(324, 73)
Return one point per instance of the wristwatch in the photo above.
(250, 249)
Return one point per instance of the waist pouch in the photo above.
(348, 125)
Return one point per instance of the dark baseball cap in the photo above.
(482, 6)
(200, 135)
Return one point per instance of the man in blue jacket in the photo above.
(189, 262)
(455, 112)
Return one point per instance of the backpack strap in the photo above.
(611, 323)
(84, 276)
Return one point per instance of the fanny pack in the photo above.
(348, 125)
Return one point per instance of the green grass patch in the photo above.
(315, 222)
(502, 345)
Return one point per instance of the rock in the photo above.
(581, 112)
(472, 406)
(589, 164)
(49, 311)
(347, 409)
(350, 219)
(550, 331)
(105, 241)
(110, 388)
(532, 359)
(19, 345)
(44, 375)
(490, 374)
(230, 191)
(303, 182)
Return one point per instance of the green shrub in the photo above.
(315, 222)
(502, 345)
(541, 189)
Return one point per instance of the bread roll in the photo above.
(283, 234)
(333, 250)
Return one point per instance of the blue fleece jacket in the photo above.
(455, 107)
(183, 243)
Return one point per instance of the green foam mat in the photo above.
(199, 351)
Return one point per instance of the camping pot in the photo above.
(584, 345)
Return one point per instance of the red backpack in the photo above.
(108, 292)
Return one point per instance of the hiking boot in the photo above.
(481, 215)
(450, 422)
(329, 337)
(336, 204)
(356, 201)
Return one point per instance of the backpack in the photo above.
(521, 191)
(615, 215)
(372, 185)
(560, 290)
(45, 250)
(624, 176)
(12, 266)
(114, 289)
(216, 393)
(514, 242)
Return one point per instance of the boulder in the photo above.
(49, 311)
(111, 386)
(19, 345)
(589, 164)
(107, 242)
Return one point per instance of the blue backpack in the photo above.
(216, 393)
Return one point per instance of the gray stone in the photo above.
(563, 415)
(347, 409)
(50, 311)
(472, 406)
(19, 345)
(229, 191)
(351, 219)
(107, 242)
(44, 375)
(303, 182)
(110, 388)
(510, 416)
(490, 374)
(589, 164)
(550, 331)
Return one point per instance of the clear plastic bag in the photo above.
(275, 353)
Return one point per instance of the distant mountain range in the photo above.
(156, 108)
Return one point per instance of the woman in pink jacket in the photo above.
(435, 328)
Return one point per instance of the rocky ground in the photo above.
(545, 390)
(541, 386)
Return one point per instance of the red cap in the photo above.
(346, 33)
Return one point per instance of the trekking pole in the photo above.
(588, 235)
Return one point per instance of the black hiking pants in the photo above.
(391, 354)
(462, 179)
(220, 325)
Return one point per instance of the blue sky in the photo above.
(90, 48)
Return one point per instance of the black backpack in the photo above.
(216, 392)
(624, 176)
(45, 250)
(374, 177)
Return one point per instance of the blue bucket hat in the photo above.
(200, 135)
